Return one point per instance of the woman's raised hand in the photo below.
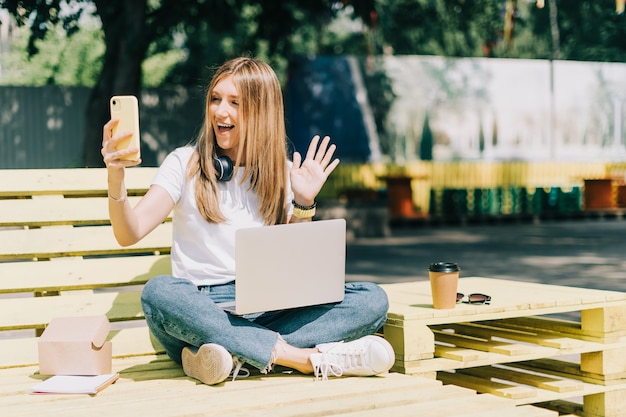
(308, 176)
(111, 156)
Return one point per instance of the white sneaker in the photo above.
(367, 356)
(211, 363)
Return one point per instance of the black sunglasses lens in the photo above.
(479, 299)
(459, 297)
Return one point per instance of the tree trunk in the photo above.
(123, 23)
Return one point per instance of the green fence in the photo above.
(504, 201)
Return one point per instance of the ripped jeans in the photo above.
(180, 314)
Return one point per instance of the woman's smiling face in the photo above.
(224, 115)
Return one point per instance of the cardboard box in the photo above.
(76, 346)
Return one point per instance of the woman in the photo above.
(243, 128)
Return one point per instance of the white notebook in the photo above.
(70, 384)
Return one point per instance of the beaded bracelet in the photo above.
(303, 212)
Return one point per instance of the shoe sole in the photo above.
(211, 364)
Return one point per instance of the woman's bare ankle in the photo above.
(293, 357)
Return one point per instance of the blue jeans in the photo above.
(179, 314)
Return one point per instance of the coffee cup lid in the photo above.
(444, 267)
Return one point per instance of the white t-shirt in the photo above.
(204, 252)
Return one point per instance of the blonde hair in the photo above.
(262, 142)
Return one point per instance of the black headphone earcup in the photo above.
(223, 167)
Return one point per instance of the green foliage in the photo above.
(590, 31)
(271, 30)
(439, 27)
(157, 66)
(50, 14)
(62, 60)
(187, 37)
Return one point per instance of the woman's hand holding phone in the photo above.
(113, 156)
(120, 136)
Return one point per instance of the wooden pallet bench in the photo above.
(515, 347)
(156, 387)
(58, 258)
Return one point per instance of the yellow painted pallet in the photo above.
(157, 387)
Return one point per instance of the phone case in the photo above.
(126, 109)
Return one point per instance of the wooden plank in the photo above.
(534, 379)
(379, 400)
(441, 362)
(56, 210)
(605, 321)
(412, 341)
(589, 390)
(137, 341)
(567, 369)
(78, 273)
(459, 354)
(564, 328)
(36, 313)
(500, 389)
(537, 323)
(564, 408)
(273, 395)
(413, 301)
(538, 294)
(505, 348)
(53, 242)
(493, 330)
(607, 364)
(521, 411)
(542, 395)
(151, 368)
(443, 408)
(71, 181)
(605, 404)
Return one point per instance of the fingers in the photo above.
(322, 154)
(328, 155)
(297, 159)
(115, 159)
(330, 168)
(321, 151)
(107, 130)
(310, 154)
(110, 154)
(309, 175)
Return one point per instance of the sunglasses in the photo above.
(474, 298)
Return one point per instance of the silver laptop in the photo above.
(287, 266)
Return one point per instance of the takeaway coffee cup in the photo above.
(444, 279)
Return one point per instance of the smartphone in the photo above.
(126, 109)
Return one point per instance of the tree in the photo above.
(264, 28)
(589, 29)
(126, 38)
(439, 27)
(209, 31)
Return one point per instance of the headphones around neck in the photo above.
(224, 167)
